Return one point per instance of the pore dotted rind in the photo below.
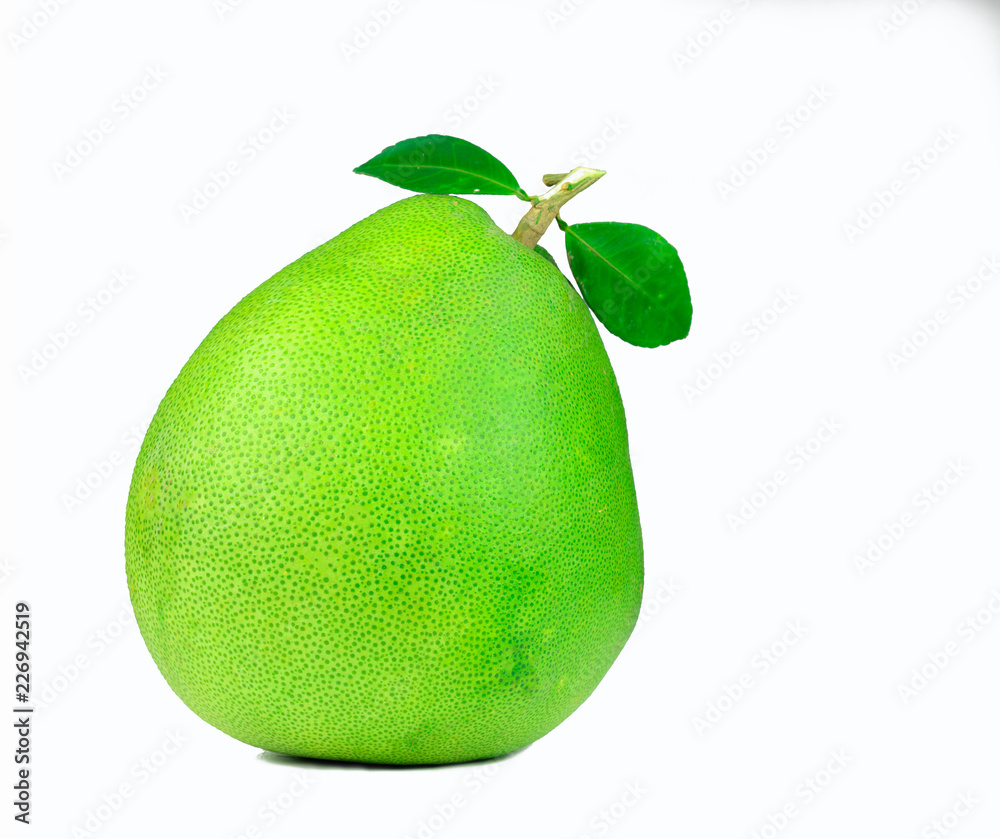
(385, 513)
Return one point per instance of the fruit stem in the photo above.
(545, 208)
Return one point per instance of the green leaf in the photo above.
(442, 165)
(542, 252)
(632, 279)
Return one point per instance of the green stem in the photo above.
(545, 208)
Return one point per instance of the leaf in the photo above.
(544, 253)
(632, 279)
(442, 165)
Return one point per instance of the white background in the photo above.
(555, 83)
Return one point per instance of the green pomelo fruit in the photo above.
(386, 511)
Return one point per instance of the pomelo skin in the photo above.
(386, 512)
